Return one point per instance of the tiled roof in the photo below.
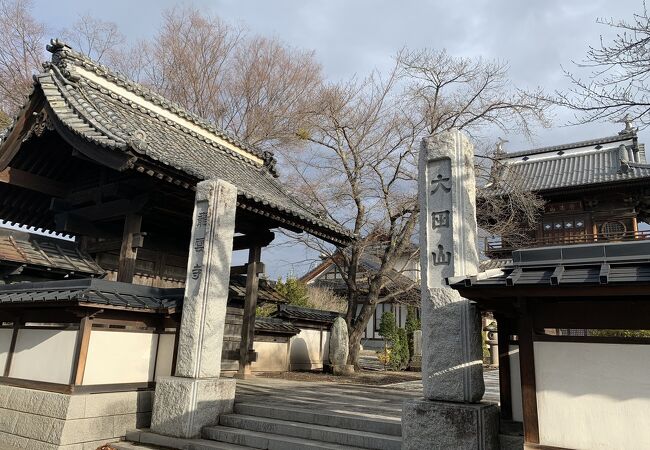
(116, 114)
(45, 252)
(588, 264)
(607, 160)
(291, 312)
(266, 291)
(488, 264)
(275, 325)
(93, 291)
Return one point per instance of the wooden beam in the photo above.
(12, 346)
(110, 210)
(20, 178)
(19, 130)
(128, 253)
(250, 304)
(243, 269)
(527, 371)
(248, 241)
(107, 245)
(505, 387)
(81, 350)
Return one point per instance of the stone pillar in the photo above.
(339, 348)
(452, 355)
(195, 396)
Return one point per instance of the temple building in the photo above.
(571, 301)
(106, 161)
(594, 191)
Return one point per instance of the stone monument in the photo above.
(196, 395)
(339, 348)
(450, 415)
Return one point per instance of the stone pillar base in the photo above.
(183, 406)
(343, 369)
(442, 425)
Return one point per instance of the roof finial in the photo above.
(499, 151)
(627, 120)
(56, 45)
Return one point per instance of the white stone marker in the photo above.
(339, 348)
(452, 353)
(452, 368)
(195, 396)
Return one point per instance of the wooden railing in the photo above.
(495, 245)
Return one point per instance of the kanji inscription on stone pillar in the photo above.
(452, 353)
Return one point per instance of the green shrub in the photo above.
(399, 357)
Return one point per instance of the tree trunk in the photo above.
(355, 332)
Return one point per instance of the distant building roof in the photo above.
(275, 325)
(587, 163)
(132, 127)
(266, 291)
(407, 290)
(291, 312)
(46, 252)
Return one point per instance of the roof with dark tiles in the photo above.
(606, 160)
(45, 252)
(291, 312)
(116, 114)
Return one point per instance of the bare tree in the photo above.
(98, 39)
(21, 40)
(617, 83)
(360, 169)
(256, 88)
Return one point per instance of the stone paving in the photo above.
(367, 401)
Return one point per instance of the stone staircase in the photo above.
(282, 427)
(264, 426)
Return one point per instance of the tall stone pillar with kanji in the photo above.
(451, 414)
(196, 395)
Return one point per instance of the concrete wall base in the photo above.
(41, 420)
(442, 425)
(184, 406)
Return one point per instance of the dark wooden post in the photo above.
(128, 253)
(250, 304)
(527, 370)
(12, 346)
(505, 389)
(81, 350)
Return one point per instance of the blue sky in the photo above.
(350, 37)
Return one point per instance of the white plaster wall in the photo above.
(5, 343)
(271, 357)
(593, 396)
(120, 357)
(44, 355)
(165, 355)
(306, 351)
(515, 384)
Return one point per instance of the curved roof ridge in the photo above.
(62, 52)
(587, 143)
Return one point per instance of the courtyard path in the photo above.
(368, 401)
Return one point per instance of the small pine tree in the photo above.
(387, 328)
(294, 290)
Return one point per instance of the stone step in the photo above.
(328, 419)
(267, 441)
(334, 435)
(510, 442)
(144, 439)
